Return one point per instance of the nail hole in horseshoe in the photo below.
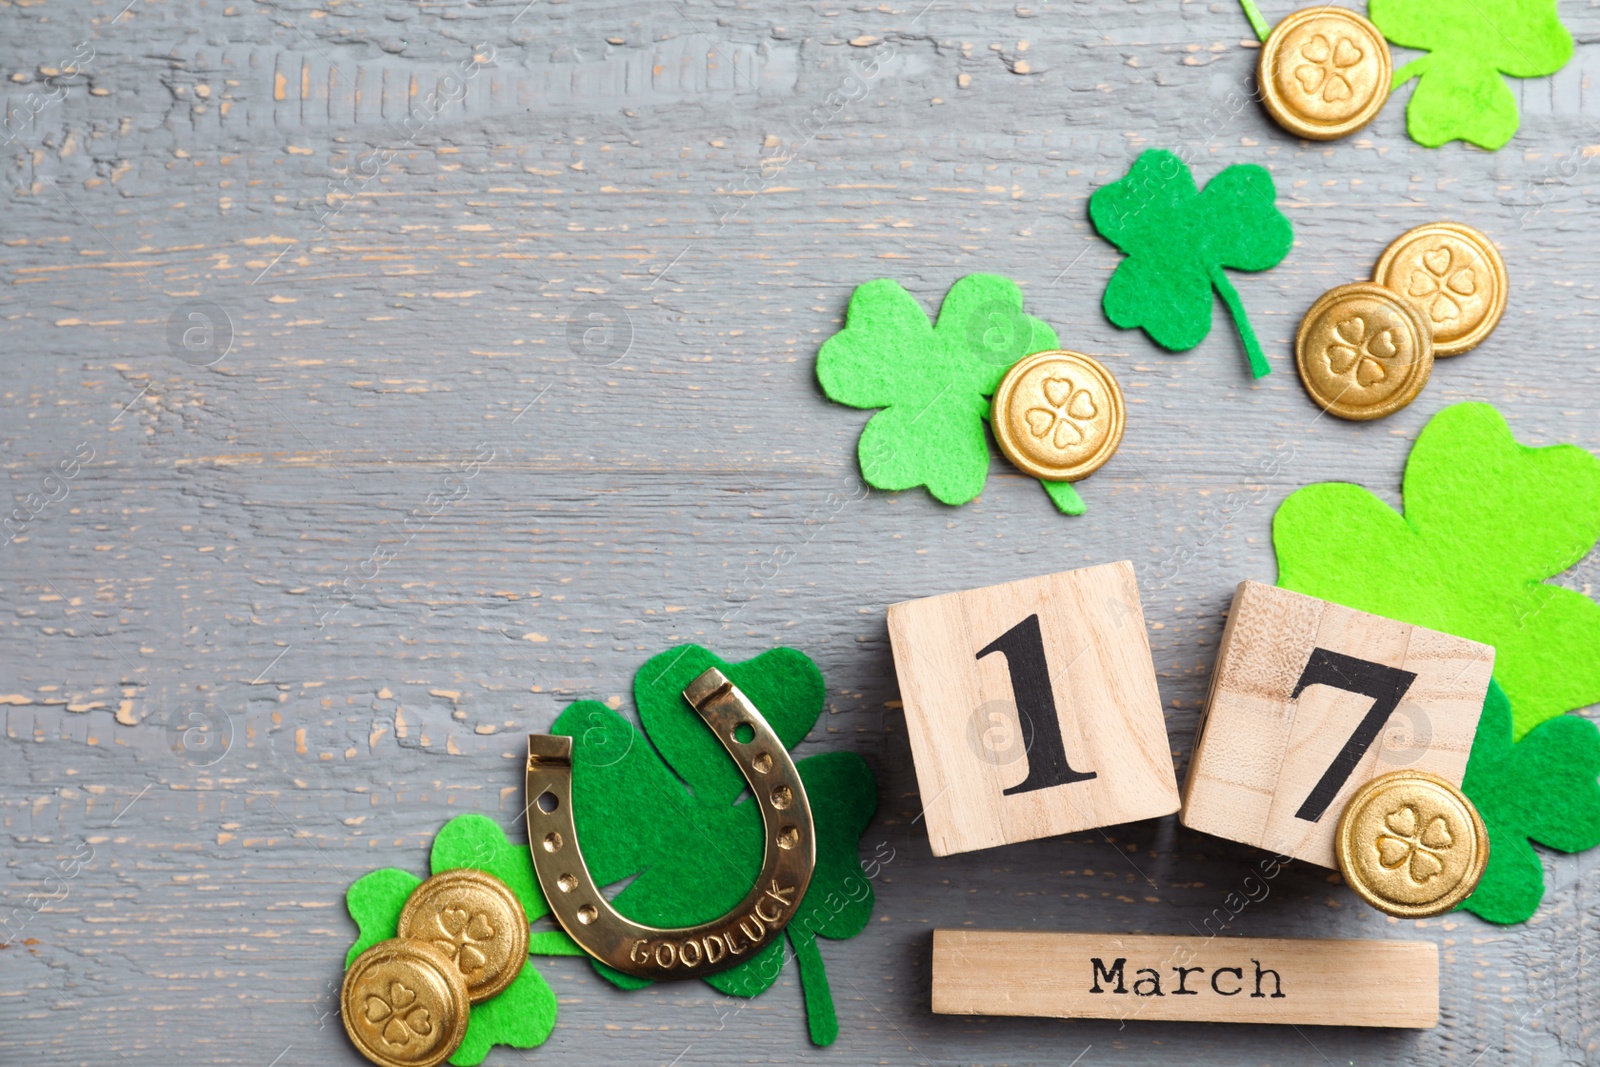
(744, 733)
(548, 802)
(567, 883)
(782, 797)
(788, 837)
(552, 841)
(587, 914)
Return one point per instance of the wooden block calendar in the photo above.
(1032, 708)
(1308, 701)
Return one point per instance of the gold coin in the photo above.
(474, 919)
(404, 1004)
(1324, 72)
(1058, 415)
(1455, 275)
(1363, 351)
(1411, 844)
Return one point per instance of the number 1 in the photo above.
(1023, 648)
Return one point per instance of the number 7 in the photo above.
(1385, 685)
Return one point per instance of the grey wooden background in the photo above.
(394, 299)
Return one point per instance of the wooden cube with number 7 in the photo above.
(1309, 700)
(1032, 708)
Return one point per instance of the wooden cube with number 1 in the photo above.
(1032, 708)
(1309, 700)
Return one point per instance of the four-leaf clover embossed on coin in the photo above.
(1178, 239)
(1323, 66)
(460, 928)
(1439, 278)
(1461, 94)
(1354, 346)
(1069, 406)
(1419, 847)
(405, 1021)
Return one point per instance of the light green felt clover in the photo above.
(663, 807)
(1486, 522)
(1178, 240)
(1460, 94)
(523, 1014)
(1543, 787)
(932, 382)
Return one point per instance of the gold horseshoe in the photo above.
(787, 860)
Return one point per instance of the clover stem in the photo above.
(1257, 23)
(1414, 69)
(1259, 368)
(821, 1018)
(1064, 496)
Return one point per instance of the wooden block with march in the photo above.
(1309, 700)
(1197, 979)
(1032, 708)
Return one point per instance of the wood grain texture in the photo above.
(680, 479)
(1134, 978)
(1262, 751)
(990, 766)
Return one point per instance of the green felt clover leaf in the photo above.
(1461, 95)
(932, 382)
(521, 1015)
(1486, 522)
(663, 807)
(374, 901)
(1178, 240)
(1543, 787)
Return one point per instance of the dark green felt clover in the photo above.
(1461, 94)
(664, 808)
(1543, 787)
(1178, 239)
(932, 382)
(523, 1014)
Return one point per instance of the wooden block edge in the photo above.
(1186, 787)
